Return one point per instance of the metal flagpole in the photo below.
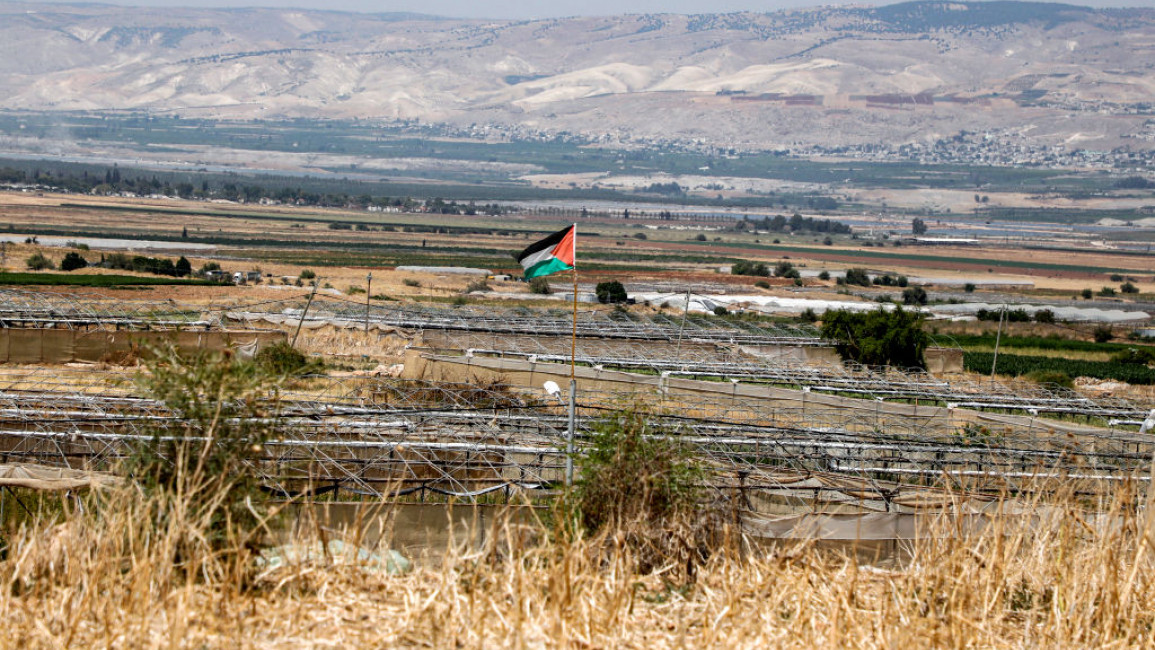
(569, 436)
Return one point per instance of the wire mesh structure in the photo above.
(598, 324)
(387, 438)
(23, 308)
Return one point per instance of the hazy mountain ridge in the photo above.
(818, 76)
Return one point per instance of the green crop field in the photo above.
(1017, 365)
(45, 279)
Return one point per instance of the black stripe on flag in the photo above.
(548, 242)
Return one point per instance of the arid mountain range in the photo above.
(1042, 74)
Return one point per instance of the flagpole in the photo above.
(572, 375)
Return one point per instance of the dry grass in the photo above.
(1062, 578)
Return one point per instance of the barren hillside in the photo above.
(1050, 74)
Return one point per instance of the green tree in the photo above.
(784, 269)
(183, 267)
(72, 261)
(918, 226)
(610, 292)
(858, 277)
(914, 296)
(878, 337)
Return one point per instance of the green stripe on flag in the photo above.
(546, 267)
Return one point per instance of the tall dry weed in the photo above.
(1053, 573)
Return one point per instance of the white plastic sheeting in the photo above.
(457, 270)
(773, 304)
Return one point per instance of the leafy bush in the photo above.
(743, 267)
(1128, 287)
(540, 285)
(762, 284)
(784, 269)
(72, 261)
(307, 274)
(808, 316)
(477, 286)
(878, 337)
(282, 359)
(969, 287)
(1044, 316)
(410, 282)
(37, 262)
(914, 296)
(1140, 356)
(610, 292)
(640, 484)
(824, 275)
(1086, 293)
(203, 458)
(1103, 333)
(1056, 377)
(858, 277)
(1107, 291)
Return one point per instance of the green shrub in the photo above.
(540, 285)
(72, 261)
(306, 274)
(824, 275)
(282, 359)
(762, 284)
(410, 282)
(858, 277)
(914, 296)
(640, 483)
(1056, 377)
(744, 267)
(784, 269)
(1103, 333)
(1141, 356)
(1044, 316)
(477, 286)
(37, 262)
(721, 311)
(611, 292)
(202, 461)
(969, 287)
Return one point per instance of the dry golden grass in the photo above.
(1062, 578)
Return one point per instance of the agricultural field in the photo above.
(366, 404)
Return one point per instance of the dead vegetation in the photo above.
(1063, 578)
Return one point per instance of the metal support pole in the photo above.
(368, 294)
(316, 283)
(569, 434)
(686, 312)
(998, 337)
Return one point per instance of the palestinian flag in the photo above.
(550, 255)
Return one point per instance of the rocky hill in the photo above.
(1044, 73)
